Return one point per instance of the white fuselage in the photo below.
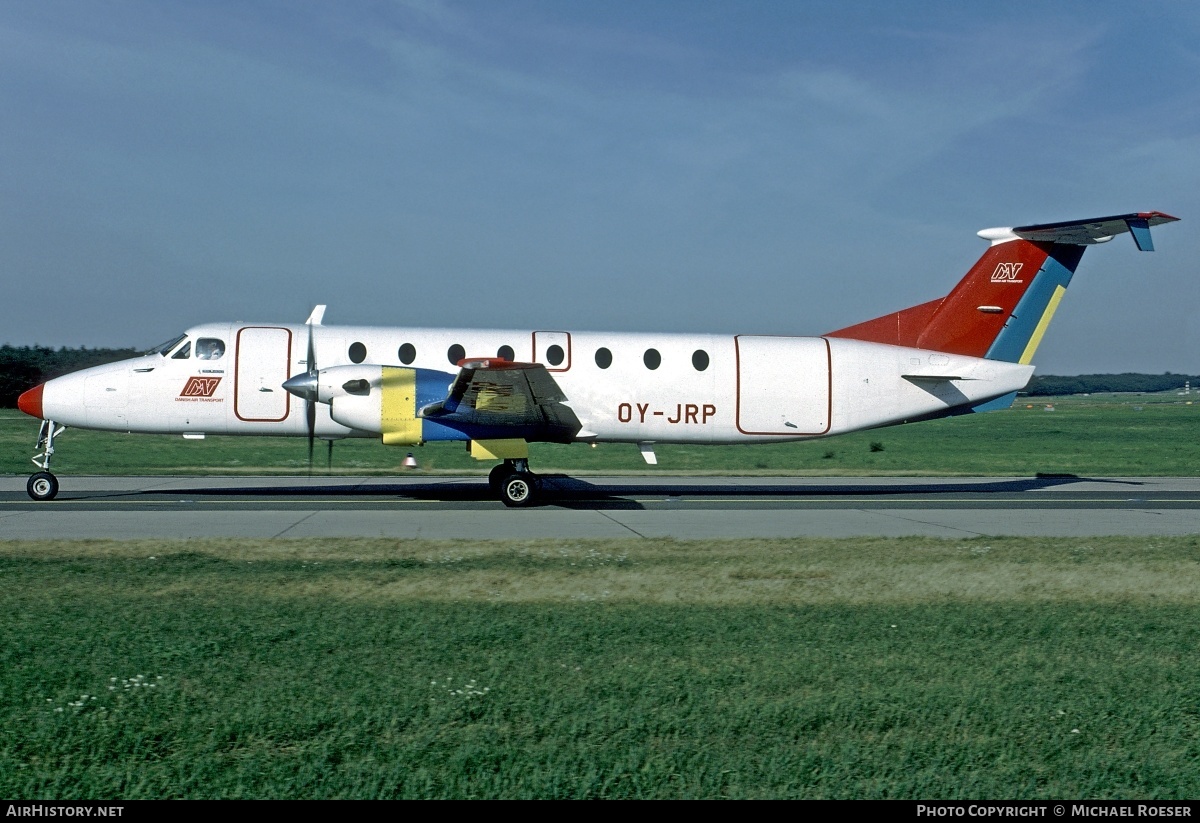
(665, 388)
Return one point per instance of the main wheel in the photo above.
(496, 476)
(518, 489)
(42, 486)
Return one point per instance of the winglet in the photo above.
(1139, 227)
(318, 314)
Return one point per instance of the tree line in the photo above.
(1049, 384)
(23, 367)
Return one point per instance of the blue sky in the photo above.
(754, 167)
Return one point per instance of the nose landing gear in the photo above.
(515, 484)
(43, 485)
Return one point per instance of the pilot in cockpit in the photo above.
(210, 348)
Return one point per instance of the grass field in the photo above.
(1101, 435)
(911, 668)
(901, 668)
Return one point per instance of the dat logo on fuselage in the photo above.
(1007, 273)
(199, 388)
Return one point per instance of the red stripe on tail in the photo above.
(958, 323)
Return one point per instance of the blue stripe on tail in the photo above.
(1010, 344)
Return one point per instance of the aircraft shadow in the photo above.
(574, 493)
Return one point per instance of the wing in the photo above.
(495, 398)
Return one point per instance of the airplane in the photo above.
(499, 390)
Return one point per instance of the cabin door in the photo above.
(263, 354)
(783, 385)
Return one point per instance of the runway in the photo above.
(679, 507)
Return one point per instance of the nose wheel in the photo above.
(43, 485)
(514, 483)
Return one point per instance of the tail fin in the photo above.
(1001, 309)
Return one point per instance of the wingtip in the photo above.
(1160, 217)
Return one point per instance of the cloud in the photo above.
(609, 166)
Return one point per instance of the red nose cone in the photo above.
(31, 401)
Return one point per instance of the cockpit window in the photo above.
(185, 351)
(165, 348)
(210, 348)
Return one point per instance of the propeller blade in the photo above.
(312, 352)
(310, 413)
(310, 401)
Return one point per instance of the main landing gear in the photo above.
(43, 485)
(515, 484)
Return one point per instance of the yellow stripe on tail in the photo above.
(1043, 324)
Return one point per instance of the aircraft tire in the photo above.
(42, 486)
(519, 489)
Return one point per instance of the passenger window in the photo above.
(652, 359)
(184, 353)
(407, 353)
(555, 355)
(358, 352)
(210, 348)
(506, 352)
(700, 359)
(455, 353)
(603, 358)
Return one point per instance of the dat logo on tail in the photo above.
(1007, 273)
(969, 350)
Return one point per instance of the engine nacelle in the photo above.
(384, 400)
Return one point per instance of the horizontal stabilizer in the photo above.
(936, 378)
(1085, 232)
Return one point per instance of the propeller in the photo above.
(305, 385)
(310, 401)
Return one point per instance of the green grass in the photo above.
(911, 668)
(1102, 435)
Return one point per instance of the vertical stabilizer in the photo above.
(1002, 307)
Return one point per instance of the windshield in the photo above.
(166, 347)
